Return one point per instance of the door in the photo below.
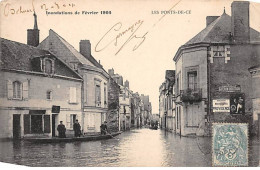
(36, 124)
(16, 126)
(53, 125)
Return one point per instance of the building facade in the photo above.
(95, 78)
(37, 92)
(166, 102)
(212, 79)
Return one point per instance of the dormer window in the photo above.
(48, 66)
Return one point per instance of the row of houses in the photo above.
(134, 110)
(43, 83)
(216, 77)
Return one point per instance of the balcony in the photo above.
(191, 95)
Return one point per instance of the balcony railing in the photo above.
(191, 95)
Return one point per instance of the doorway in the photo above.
(36, 124)
(16, 126)
(54, 124)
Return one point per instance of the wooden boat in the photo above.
(74, 139)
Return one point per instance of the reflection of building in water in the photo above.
(213, 66)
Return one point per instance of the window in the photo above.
(98, 95)
(219, 51)
(49, 95)
(192, 80)
(17, 90)
(73, 95)
(177, 86)
(47, 65)
(105, 95)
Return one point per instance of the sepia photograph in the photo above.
(130, 83)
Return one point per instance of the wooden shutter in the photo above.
(47, 124)
(73, 94)
(9, 89)
(26, 124)
(25, 90)
(68, 120)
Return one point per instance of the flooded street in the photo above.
(140, 147)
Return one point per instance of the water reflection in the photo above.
(141, 147)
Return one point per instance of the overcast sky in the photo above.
(144, 67)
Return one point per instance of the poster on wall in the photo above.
(237, 103)
(221, 105)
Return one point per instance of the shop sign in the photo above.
(229, 88)
(221, 105)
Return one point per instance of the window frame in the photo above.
(15, 90)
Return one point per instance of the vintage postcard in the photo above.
(130, 83)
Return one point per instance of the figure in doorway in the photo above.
(61, 129)
(76, 128)
(103, 128)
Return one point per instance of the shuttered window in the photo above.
(17, 90)
(73, 95)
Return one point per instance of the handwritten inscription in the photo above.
(110, 38)
(10, 10)
(113, 40)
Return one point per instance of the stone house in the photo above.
(166, 102)
(95, 78)
(212, 79)
(37, 91)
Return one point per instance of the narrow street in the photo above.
(140, 147)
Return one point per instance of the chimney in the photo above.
(111, 72)
(85, 48)
(33, 34)
(120, 80)
(127, 84)
(240, 21)
(210, 19)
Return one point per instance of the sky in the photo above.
(136, 39)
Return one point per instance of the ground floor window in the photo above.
(36, 124)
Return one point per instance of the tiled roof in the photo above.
(219, 32)
(16, 55)
(78, 55)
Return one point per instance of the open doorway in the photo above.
(54, 124)
(16, 126)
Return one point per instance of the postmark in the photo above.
(230, 144)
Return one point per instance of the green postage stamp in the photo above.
(230, 144)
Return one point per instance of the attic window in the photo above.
(48, 65)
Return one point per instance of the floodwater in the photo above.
(139, 147)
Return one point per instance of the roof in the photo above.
(15, 55)
(18, 56)
(81, 58)
(219, 32)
